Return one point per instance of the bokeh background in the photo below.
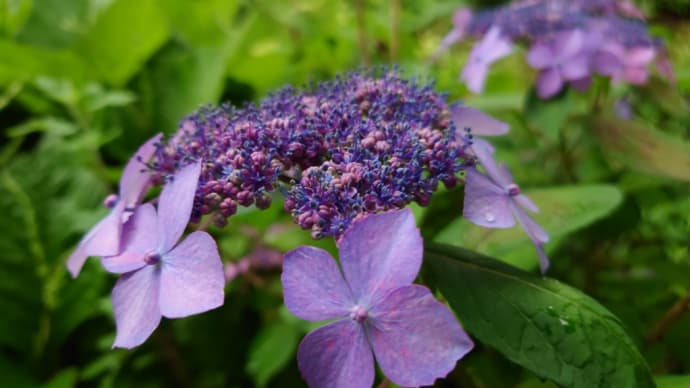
(84, 82)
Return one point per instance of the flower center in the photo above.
(513, 190)
(110, 201)
(152, 258)
(359, 314)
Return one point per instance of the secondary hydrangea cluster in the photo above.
(342, 149)
(569, 41)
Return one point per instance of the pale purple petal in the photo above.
(102, 240)
(313, 287)
(490, 49)
(135, 179)
(380, 253)
(567, 44)
(495, 46)
(549, 83)
(175, 204)
(575, 68)
(483, 151)
(639, 56)
(336, 356)
(607, 62)
(486, 204)
(535, 233)
(479, 122)
(540, 56)
(135, 305)
(415, 338)
(140, 236)
(636, 75)
(192, 277)
(527, 203)
(474, 76)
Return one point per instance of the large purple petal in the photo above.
(495, 46)
(490, 49)
(486, 204)
(480, 123)
(474, 74)
(336, 356)
(175, 204)
(535, 233)
(102, 240)
(540, 56)
(140, 236)
(568, 44)
(380, 253)
(192, 277)
(576, 68)
(313, 287)
(135, 179)
(415, 338)
(135, 304)
(549, 83)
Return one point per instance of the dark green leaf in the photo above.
(552, 329)
(273, 347)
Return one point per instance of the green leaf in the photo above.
(562, 210)
(549, 116)
(671, 381)
(643, 148)
(13, 15)
(24, 62)
(67, 378)
(124, 36)
(552, 329)
(271, 350)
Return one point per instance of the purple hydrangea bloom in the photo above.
(562, 59)
(161, 277)
(378, 311)
(495, 201)
(570, 39)
(338, 150)
(104, 238)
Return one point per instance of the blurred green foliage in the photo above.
(84, 82)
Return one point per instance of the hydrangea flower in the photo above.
(378, 311)
(161, 277)
(490, 49)
(562, 59)
(569, 40)
(104, 238)
(495, 201)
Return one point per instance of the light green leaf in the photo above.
(23, 62)
(271, 350)
(562, 210)
(643, 149)
(13, 15)
(124, 36)
(552, 329)
(671, 381)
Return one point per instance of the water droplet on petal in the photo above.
(490, 217)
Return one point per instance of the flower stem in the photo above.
(673, 314)
(362, 39)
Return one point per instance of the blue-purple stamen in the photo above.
(152, 258)
(359, 314)
(513, 190)
(110, 201)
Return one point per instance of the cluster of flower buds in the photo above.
(345, 148)
(570, 41)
